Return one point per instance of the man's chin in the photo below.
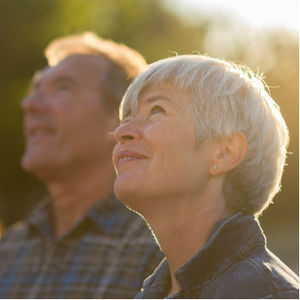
(26, 162)
(34, 166)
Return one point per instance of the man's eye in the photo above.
(157, 109)
(64, 87)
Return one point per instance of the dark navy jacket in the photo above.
(234, 263)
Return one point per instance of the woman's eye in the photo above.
(157, 109)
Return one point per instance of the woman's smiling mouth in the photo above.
(125, 156)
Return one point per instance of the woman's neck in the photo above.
(183, 229)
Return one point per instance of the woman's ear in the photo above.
(230, 153)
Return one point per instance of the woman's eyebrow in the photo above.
(157, 98)
(149, 100)
(126, 114)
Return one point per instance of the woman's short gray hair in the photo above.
(227, 98)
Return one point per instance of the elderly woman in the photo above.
(200, 153)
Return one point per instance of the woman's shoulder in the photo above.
(260, 275)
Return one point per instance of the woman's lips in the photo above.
(126, 156)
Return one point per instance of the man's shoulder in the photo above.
(138, 225)
(17, 230)
(262, 275)
(20, 232)
(15, 233)
(115, 218)
(136, 231)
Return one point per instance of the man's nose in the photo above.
(34, 102)
(127, 131)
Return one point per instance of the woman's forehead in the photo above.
(165, 92)
(163, 89)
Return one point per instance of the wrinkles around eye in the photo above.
(64, 88)
(126, 120)
(157, 109)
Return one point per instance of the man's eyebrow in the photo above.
(64, 79)
(36, 80)
(34, 84)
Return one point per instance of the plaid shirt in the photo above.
(106, 255)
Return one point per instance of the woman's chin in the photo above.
(126, 191)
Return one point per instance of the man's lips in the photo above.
(125, 156)
(34, 128)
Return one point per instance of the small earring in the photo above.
(214, 167)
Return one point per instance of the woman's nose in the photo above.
(127, 131)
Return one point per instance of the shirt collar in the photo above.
(107, 215)
(39, 220)
(110, 215)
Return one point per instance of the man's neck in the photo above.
(183, 229)
(74, 194)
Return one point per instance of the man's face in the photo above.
(66, 126)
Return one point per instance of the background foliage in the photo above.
(26, 27)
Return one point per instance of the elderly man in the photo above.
(80, 242)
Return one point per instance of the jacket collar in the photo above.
(157, 284)
(228, 241)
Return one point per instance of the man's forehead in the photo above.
(83, 62)
(85, 67)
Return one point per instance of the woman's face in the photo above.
(156, 155)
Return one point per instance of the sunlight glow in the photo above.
(279, 14)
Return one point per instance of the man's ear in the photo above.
(229, 154)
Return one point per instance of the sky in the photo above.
(282, 14)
